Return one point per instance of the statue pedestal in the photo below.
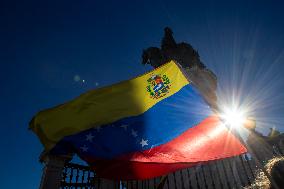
(259, 147)
(54, 165)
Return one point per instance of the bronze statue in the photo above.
(183, 53)
(188, 58)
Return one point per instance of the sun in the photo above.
(234, 117)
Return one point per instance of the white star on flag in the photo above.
(84, 148)
(134, 133)
(124, 127)
(89, 137)
(98, 128)
(144, 142)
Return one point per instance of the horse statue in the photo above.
(188, 58)
(183, 53)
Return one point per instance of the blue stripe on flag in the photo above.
(160, 124)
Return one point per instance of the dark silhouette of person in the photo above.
(277, 174)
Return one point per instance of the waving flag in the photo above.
(137, 129)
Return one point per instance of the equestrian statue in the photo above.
(188, 58)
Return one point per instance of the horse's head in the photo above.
(152, 56)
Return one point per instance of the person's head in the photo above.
(275, 167)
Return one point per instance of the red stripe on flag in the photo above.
(127, 170)
(209, 140)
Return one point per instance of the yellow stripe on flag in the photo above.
(105, 105)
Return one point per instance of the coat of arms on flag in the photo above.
(158, 86)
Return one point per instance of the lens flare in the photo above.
(234, 117)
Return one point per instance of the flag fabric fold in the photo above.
(138, 129)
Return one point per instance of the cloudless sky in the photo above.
(52, 51)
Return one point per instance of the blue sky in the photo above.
(52, 51)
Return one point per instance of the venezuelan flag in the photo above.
(138, 129)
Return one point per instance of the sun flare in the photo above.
(233, 117)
